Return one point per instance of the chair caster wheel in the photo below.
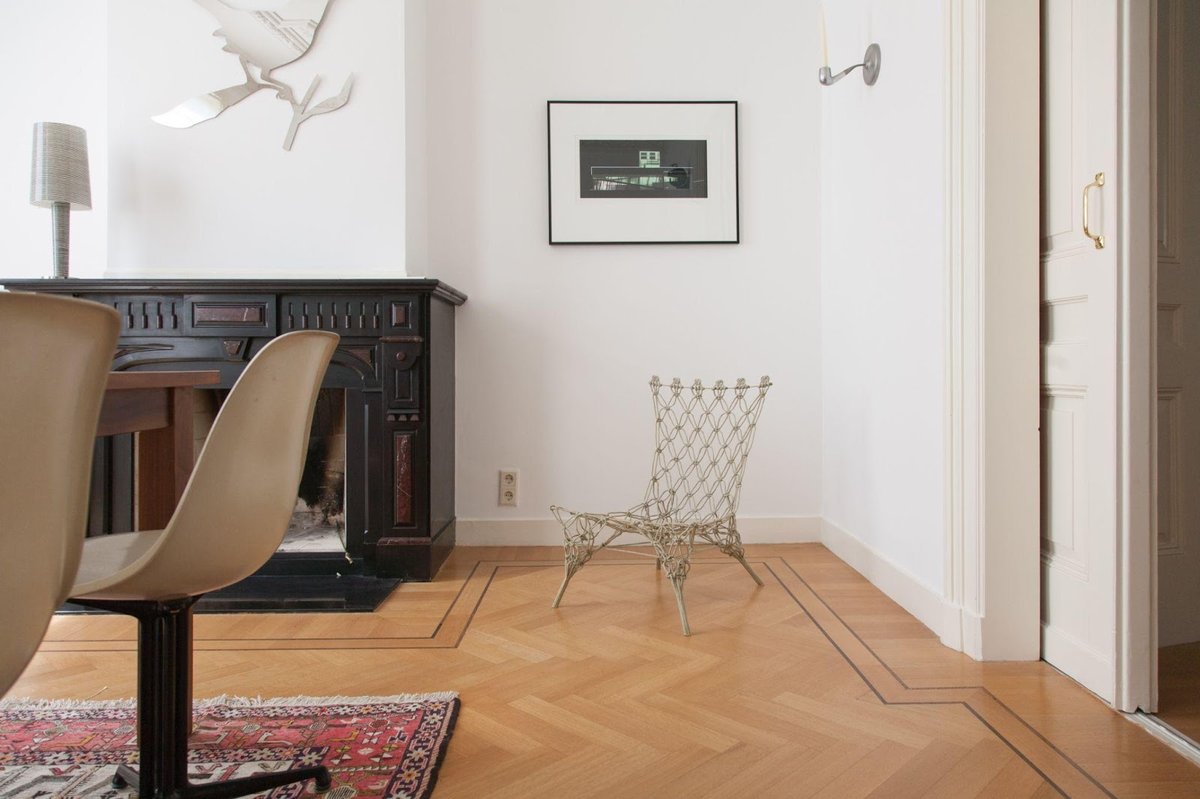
(118, 782)
(323, 782)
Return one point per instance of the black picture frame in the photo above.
(642, 172)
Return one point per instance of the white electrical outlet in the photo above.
(508, 487)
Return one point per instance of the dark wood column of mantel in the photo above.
(395, 361)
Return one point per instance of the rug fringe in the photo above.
(25, 703)
(310, 701)
(28, 703)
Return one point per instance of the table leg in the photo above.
(164, 463)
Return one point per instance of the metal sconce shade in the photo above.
(60, 166)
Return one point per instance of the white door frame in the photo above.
(1137, 531)
(993, 455)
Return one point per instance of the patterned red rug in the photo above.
(376, 746)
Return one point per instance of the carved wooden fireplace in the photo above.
(395, 365)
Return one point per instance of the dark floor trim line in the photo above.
(900, 680)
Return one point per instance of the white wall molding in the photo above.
(992, 508)
(925, 603)
(548, 532)
(964, 428)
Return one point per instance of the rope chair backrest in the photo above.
(703, 437)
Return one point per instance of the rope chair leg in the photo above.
(677, 568)
(742, 560)
(677, 584)
(568, 573)
(577, 550)
(732, 546)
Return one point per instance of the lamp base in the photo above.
(60, 220)
(871, 64)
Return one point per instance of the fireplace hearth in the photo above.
(376, 503)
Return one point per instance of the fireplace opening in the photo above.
(318, 521)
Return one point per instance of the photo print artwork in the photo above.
(642, 172)
(615, 168)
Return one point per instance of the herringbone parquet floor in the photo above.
(813, 685)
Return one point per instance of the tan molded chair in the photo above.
(232, 516)
(54, 360)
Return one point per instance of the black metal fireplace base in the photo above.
(290, 593)
(304, 582)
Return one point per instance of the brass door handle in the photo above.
(1097, 183)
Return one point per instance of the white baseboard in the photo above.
(548, 532)
(945, 619)
(971, 624)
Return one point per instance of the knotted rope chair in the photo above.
(703, 437)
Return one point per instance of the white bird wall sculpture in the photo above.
(264, 35)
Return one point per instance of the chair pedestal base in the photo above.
(165, 709)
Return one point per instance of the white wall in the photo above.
(556, 344)
(883, 272)
(437, 167)
(416, 129)
(224, 198)
(52, 57)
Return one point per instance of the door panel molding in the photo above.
(1170, 500)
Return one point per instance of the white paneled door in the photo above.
(1079, 338)
(1178, 233)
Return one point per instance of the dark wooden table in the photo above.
(158, 407)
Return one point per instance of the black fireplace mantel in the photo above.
(395, 361)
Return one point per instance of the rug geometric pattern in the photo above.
(374, 746)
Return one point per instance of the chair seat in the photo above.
(108, 560)
(664, 528)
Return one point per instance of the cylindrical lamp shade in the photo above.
(60, 166)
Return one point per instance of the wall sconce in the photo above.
(870, 68)
(870, 62)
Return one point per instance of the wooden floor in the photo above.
(1179, 688)
(813, 685)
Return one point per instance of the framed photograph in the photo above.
(643, 172)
